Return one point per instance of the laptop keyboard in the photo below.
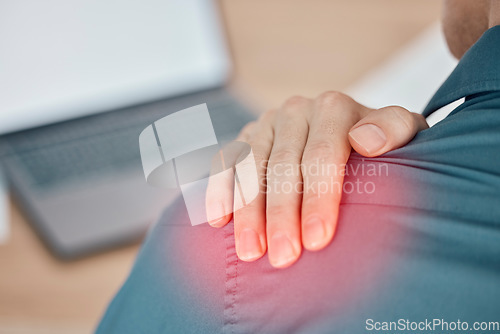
(79, 158)
(104, 143)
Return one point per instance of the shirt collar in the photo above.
(478, 71)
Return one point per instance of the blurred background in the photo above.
(279, 48)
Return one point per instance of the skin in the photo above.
(464, 21)
(303, 133)
(322, 131)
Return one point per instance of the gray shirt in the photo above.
(418, 242)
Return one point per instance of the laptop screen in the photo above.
(63, 59)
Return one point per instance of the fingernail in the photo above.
(281, 251)
(314, 234)
(369, 136)
(216, 222)
(249, 247)
(215, 214)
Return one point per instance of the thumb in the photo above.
(384, 130)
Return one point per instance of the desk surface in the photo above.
(280, 48)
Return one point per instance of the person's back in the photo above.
(417, 247)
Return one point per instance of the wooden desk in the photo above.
(280, 48)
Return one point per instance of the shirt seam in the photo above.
(231, 283)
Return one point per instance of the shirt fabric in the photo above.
(423, 245)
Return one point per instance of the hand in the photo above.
(301, 134)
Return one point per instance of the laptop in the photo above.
(79, 81)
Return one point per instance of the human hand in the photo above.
(301, 133)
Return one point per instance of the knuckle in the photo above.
(332, 98)
(404, 116)
(250, 125)
(268, 115)
(318, 150)
(310, 199)
(296, 101)
(294, 107)
(277, 210)
(325, 156)
(248, 128)
(419, 117)
(284, 155)
(287, 114)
